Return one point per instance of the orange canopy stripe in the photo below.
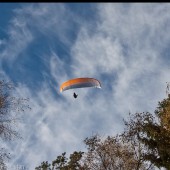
(80, 83)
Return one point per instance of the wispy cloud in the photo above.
(128, 42)
(123, 49)
(19, 38)
(31, 22)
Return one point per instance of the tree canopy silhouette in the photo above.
(143, 145)
(10, 106)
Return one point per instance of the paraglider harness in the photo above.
(75, 95)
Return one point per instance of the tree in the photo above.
(63, 163)
(9, 107)
(144, 144)
(44, 166)
(102, 154)
(110, 154)
(3, 157)
(131, 136)
(153, 133)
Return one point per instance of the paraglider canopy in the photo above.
(80, 83)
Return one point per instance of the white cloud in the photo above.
(29, 23)
(124, 49)
(96, 54)
(128, 41)
(19, 38)
(2, 42)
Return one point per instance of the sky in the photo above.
(123, 45)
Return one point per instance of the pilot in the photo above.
(75, 95)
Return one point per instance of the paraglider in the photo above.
(75, 95)
(79, 83)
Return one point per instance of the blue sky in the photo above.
(125, 46)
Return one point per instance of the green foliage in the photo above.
(60, 162)
(74, 162)
(44, 166)
(102, 154)
(63, 163)
(153, 133)
(110, 153)
(144, 144)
